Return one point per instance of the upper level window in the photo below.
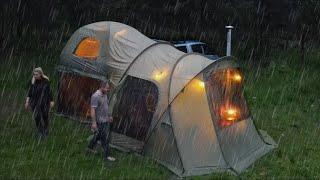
(88, 48)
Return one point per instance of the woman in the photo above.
(40, 100)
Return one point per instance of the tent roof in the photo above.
(120, 44)
(98, 26)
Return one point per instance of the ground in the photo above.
(283, 96)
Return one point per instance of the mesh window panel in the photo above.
(225, 92)
(136, 103)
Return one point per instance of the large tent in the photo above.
(183, 110)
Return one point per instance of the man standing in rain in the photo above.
(101, 120)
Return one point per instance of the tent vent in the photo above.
(229, 28)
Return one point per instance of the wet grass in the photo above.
(62, 154)
(283, 97)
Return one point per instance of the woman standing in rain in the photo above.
(40, 100)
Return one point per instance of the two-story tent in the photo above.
(183, 110)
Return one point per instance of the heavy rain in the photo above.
(167, 89)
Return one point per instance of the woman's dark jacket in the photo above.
(40, 93)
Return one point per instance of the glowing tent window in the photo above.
(225, 89)
(88, 49)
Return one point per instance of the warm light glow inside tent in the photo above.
(226, 89)
(88, 49)
(159, 75)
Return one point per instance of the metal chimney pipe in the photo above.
(229, 28)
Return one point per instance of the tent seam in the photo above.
(175, 140)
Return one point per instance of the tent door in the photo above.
(134, 108)
(74, 94)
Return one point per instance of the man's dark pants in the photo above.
(103, 135)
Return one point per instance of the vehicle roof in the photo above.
(159, 40)
(187, 42)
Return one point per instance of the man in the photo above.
(101, 120)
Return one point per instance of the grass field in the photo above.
(283, 96)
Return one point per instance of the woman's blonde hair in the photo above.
(40, 71)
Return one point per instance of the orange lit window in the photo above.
(88, 49)
(225, 89)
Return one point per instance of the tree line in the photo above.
(260, 25)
